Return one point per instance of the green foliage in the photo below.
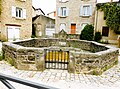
(1, 56)
(104, 42)
(87, 33)
(111, 15)
(98, 36)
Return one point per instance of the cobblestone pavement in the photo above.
(110, 79)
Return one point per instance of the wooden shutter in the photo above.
(13, 11)
(67, 11)
(59, 11)
(24, 13)
(81, 10)
(90, 12)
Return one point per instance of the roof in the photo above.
(34, 18)
(51, 12)
(38, 9)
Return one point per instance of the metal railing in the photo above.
(56, 59)
(4, 78)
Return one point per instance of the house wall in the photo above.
(40, 24)
(6, 18)
(74, 14)
(99, 23)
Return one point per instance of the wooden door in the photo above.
(73, 28)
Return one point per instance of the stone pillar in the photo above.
(40, 61)
(71, 65)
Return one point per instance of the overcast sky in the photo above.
(50, 5)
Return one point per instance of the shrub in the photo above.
(98, 36)
(87, 33)
(1, 56)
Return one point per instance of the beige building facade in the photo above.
(16, 19)
(107, 33)
(73, 15)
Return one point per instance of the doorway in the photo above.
(73, 28)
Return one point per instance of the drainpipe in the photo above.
(96, 20)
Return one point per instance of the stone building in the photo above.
(108, 34)
(73, 15)
(15, 19)
(43, 26)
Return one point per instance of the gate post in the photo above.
(39, 61)
(71, 65)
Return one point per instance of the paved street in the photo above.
(110, 79)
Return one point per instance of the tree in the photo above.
(87, 33)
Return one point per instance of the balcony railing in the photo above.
(4, 78)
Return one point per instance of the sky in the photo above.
(50, 5)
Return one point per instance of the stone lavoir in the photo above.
(86, 57)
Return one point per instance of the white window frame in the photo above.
(19, 13)
(86, 10)
(63, 11)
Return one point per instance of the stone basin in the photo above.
(86, 57)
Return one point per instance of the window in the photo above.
(86, 10)
(105, 31)
(83, 25)
(62, 11)
(62, 26)
(18, 12)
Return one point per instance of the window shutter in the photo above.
(24, 13)
(13, 11)
(59, 11)
(90, 11)
(67, 11)
(81, 10)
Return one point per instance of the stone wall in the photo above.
(26, 58)
(29, 54)
(93, 63)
